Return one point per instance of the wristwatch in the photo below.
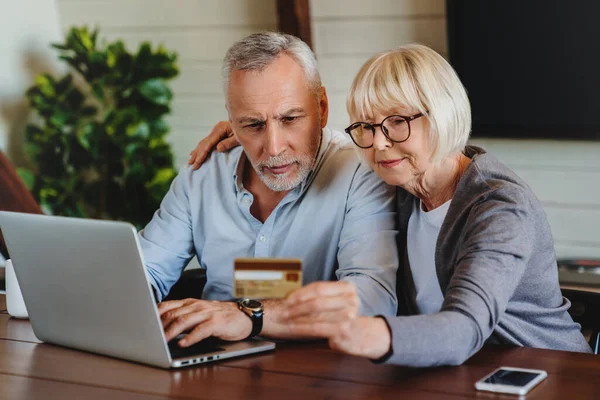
(255, 311)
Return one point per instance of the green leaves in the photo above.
(100, 148)
(163, 176)
(141, 130)
(160, 183)
(156, 91)
(85, 136)
(27, 177)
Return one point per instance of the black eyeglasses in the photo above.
(396, 128)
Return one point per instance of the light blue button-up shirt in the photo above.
(340, 220)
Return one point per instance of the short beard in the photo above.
(304, 163)
(284, 182)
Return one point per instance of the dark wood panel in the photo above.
(2, 304)
(294, 18)
(18, 387)
(14, 195)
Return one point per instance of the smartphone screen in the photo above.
(511, 378)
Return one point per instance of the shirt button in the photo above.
(262, 238)
(246, 200)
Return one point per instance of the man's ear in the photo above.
(324, 107)
(232, 130)
(230, 121)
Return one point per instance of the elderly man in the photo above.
(293, 189)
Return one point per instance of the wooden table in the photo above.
(30, 369)
(582, 288)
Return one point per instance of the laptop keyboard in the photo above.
(209, 345)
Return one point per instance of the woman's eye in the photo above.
(398, 121)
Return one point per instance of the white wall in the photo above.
(199, 30)
(345, 33)
(26, 29)
(565, 175)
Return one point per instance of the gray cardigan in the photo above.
(496, 267)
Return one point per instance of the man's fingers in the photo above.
(199, 333)
(184, 323)
(227, 144)
(166, 306)
(168, 317)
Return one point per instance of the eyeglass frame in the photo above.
(384, 130)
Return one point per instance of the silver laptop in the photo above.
(84, 284)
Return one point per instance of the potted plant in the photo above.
(98, 146)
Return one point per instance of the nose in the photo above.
(380, 141)
(275, 141)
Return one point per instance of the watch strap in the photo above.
(257, 323)
(255, 316)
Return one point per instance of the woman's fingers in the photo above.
(345, 303)
(220, 131)
(321, 309)
(323, 329)
(202, 151)
(227, 144)
(320, 290)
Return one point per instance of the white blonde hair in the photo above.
(415, 77)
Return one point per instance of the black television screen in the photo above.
(531, 67)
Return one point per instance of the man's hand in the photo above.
(203, 319)
(220, 137)
(330, 310)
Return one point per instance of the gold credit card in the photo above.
(266, 278)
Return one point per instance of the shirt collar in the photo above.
(325, 140)
(238, 171)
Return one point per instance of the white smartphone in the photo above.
(511, 380)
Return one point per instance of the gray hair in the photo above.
(257, 51)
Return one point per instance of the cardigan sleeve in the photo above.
(497, 243)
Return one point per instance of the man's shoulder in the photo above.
(338, 140)
(341, 166)
(340, 151)
(216, 165)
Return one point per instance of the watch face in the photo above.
(252, 303)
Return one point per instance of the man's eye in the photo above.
(255, 126)
(289, 119)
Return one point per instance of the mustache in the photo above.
(277, 161)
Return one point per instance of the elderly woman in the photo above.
(478, 257)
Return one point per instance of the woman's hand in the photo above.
(330, 310)
(220, 137)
